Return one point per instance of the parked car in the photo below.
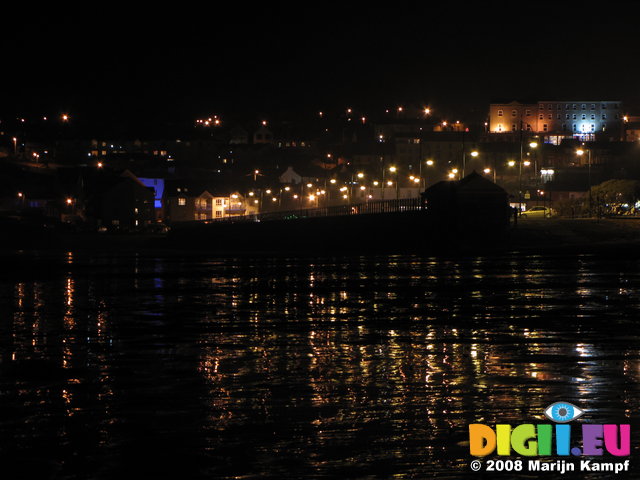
(538, 212)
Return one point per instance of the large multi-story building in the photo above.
(555, 120)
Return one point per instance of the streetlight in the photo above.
(488, 171)
(360, 175)
(473, 153)
(526, 163)
(580, 152)
(393, 169)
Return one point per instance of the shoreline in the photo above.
(529, 236)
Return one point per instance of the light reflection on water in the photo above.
(276, 367)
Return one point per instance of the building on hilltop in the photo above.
(585, 120)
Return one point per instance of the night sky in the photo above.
(285, 60)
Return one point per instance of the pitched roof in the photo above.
(472, 183)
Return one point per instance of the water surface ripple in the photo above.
(183, 366)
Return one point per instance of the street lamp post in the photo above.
(531, 145)
(360, 176)
(580, 152)
(474, 154)
(395, 170)
(488, 171)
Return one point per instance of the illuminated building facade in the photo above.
(555, 120)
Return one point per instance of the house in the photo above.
(262, 135)
(184, 202)
(126, 203)
(158, 188)
(187, 201)
(304, 174)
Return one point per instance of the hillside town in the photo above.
(575, 158)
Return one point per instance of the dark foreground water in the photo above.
(183, 366)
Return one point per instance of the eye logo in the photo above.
(563, 412)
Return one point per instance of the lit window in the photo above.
(182, 201)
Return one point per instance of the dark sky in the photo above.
(284, 59)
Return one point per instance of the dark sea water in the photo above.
(188, 366)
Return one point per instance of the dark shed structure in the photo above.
(472, 203)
